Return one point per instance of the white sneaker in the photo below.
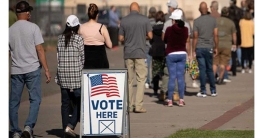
(227, 80)
(16, 135)
(201, 95)
(27, 133)
(146, 85)
(213, 94)
(243, 71)
(250, 71)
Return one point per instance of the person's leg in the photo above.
(249, 54)
(130, 66)
(243, 57)
(115, 41)
(209, 70)
(17, 86)
(171, 64)
(202, 69)
(239, 55)
(234, 66)
(33, 83)
(155, 79)
(165, 80)
(149, 63)
(141, 72)
(76, 110)
(180, 65)
(65, 105)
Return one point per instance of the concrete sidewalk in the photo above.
(232, 109)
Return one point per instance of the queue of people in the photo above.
(164, 37)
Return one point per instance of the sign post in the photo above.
(104, 103)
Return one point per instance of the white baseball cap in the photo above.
(72, 21)
(172, 3)
(176, 15)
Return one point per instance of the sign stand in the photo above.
(104, 103)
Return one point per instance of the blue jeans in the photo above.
(33, 84)
(204, 58)
(176, 67)
(66, 98)
(149, 61)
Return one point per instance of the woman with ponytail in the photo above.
(176, 37)
(70, 63)
(95, 37)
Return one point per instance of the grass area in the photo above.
(195, 133)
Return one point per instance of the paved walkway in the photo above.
(232, 109)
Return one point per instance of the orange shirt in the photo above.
(247, 32)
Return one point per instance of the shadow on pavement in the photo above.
(56, 132)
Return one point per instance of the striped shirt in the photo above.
(70, 62)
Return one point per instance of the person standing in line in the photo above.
(113, 27)
(176, 37)
(172, 5)
(157, 51)
(134, 30)
(12, 16)
(151, 16)
(214, 13)
(28, 57)
(205, 45)
(70, 51)
(226, 35)
(247, 33)
(95, 37)
(235, 14)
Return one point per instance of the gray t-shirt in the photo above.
(205, 25)
(134, 27)
(24, 36)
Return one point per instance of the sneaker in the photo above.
(27, 133)
(249, 71)
(243, 71)
(16, 135)
(213, 94)
(227, 80)
(146, 85)
(142, 110)
(70, 132)
(201, 94)
(181, 103)
(170, 103)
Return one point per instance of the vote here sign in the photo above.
(103, 103)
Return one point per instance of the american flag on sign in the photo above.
(104, 84)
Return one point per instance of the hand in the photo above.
(48, 76)
(194, 54)
(233, 48)
(215, 52)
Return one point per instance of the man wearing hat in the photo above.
(28, 57)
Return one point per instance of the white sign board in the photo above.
(104, 103)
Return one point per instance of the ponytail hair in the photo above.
(180, 23)
(93, 11)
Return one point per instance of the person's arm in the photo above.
(81, 52)
(106, 37)
(215, 40)
(164, 29)
(195, 36)
(121, 33)
(42, 59)
(149, 35)
(188, 49)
